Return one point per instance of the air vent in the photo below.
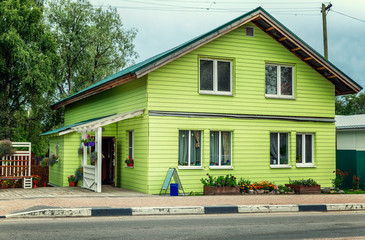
(249, 31)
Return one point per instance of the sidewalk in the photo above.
(58, 201)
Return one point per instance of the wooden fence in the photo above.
(17, 166)
(43, 173)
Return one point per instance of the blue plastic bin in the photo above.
(174, 189)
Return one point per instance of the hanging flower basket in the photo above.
(91, 144)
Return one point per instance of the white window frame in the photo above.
(281, 165)
(303, 164)
(189, 151)
(278, 83)
(220, 151)
(131, 147)
(215, 78)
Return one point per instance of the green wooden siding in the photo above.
(125, 98)
(56, 171)
(135, 178)
(250, 150)
(175, 86)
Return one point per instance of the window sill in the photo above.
(280, 166)
(128, 167)
(221, 167)
(280, 97)
(301, 165)
(216, 93)
(191, 167)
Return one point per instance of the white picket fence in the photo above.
(18, 165)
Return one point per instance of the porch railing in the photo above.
(18, 165)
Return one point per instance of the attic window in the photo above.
(249, 31)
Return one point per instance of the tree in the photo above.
(350, 104)
(91, 41)
(28, 60)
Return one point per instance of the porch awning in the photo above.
(93, 123)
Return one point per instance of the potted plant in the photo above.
(304, 186)
(222, 185)
(129, 161)
(36, 179)
(52, 160)
(91, 140)
(79, 173)
(71, 181)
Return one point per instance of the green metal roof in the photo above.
(154, 59)
(70, 126)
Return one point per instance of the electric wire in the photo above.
(348, 16)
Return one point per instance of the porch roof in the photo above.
(93, 123)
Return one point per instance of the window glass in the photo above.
(224, 76)
(183, 147)
(286, 80)
(308, 149)
(299, 149)
(206, 75)
(271, 79)
(283, 148)
(274, 149)
(130, 144)
(195, 148)
(214, 148)
(189, 148)
(225, 149)
(279, 149)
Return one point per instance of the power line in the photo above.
(348, 16)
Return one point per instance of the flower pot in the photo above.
(35, 184)
(212, 190)
(129, 164)
(91, 144)
(302, 189)
(72, 184)
(86, 144)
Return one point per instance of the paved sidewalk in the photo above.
(59, 201)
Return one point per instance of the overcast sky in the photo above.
(164, 24)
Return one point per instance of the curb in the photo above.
(135, 211)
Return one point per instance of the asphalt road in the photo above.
(231, 226)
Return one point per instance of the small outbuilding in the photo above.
(350, 154)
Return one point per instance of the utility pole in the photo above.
(324, 19)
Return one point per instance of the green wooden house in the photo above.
(248, 98)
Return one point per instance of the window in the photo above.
(279, 81)
(220, 149)
(279, 149)
(249, 31)
(189, 148)
(304, 153)
(131, 144)
(215, 76)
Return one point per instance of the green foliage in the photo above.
(304, 182)
(284, 189)
(91, 41)
(79, 173)
(222, 181)
(355, 182)
(210, 181)
(338, 180)
(28, 60)
(6, 148)
(350, 104)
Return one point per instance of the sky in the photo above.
(164, 24)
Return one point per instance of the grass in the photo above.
(354, 192)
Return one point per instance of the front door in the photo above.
(108, 164)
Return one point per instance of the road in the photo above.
(348, 225)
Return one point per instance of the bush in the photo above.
(6, 148)
(304, 182)
(222, 181)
